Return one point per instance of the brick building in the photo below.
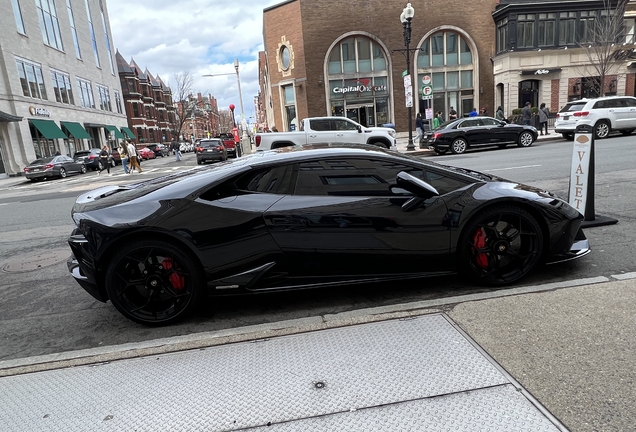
(332, 58)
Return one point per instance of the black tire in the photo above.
(154, 282)
(568, 136)
(627, 132)
(113, 164)
(602, 129)
(381, 144)
(199, 162)
(459, 146)
(100, 166)
(441, 151)
(525, 139)
(62, 173)
(83, 169)
(499, 246)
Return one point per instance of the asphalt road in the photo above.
(44, 311)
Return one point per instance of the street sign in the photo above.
(409, 100)
(407, 81)
(405, 73)
(427, 92)
(426, 80)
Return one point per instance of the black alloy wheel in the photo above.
(525, 139)
(62, 173)
(154, 282)
(601, 129)
(500, 245)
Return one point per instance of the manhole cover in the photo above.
(36, 261)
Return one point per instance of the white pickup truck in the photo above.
(315, 130)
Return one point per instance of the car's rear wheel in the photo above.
(113, 164)
(100, 166)
(62, 173)
(568, 136)
(459, 146)
(525, 139)
(627, 132)
(601, 129)
(83, 169)
(154, 282)
(500, 245)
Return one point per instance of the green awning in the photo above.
(48, 128)
(114, 130)
(76, 130)
(128, 132)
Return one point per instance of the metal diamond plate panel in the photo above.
(253, 384)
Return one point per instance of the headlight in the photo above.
(392, 133)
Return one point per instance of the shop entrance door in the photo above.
(467, 106)
(362, 113)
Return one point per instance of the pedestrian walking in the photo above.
(176, 149)
(104, 158)
(132, 155)
(436, 121)
(419, 127)
(526, 114)
(544, 114)
(499, 115)
(123, 152)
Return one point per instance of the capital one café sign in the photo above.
(362, 86)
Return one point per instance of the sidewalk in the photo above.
(537, 358)
(403, 139)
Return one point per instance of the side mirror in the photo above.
(414, 185)
(359, 128)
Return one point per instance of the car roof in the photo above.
(585, 100)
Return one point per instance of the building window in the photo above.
(547, 23)
(31, 79)
(525, 30)
(17, 14)
(451, 74)
(118, 101)
(289, 101)
(104, 98)
(71, 19)
(567, 28)
(502, 35)
(85, 93)
(586, 26)
(629, 25)
(49, 24)
(92, 30)
(356, 54)
(62, 87)
(135, 107)
(107, 38)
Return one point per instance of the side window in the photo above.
(319, 124)
(274, 180)
(631, 102)
(343, 177)
(621, 103)
(440, 181)
(602, 104)
(490, 122)
(341, 124)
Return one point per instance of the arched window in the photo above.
(446, 60)
(358, 76)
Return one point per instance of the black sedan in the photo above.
(307, 217)
(91, 159)
(210, 150)
(469, 132)
(54, 166)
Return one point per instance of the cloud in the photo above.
(199, 36)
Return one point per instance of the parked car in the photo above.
(328, 130)
(185, 147)
(470, 132)
(54, 166)
(159, 149)
(91, 158)
(606, 114)
(308, 217)
(210, 150)
(145, 153)
(228, 143)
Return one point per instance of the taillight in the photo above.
(48, 166)
(92, 157)
(258, 140)
(26, 169)
(581, 114)
(221, 148)
(558, 115)
(199, 149)
(436, 135)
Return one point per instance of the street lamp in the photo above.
(405, 18)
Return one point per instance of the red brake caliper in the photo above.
(479, 241)
(177, 281)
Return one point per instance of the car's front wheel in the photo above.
(500, 245)
(459, 146)
(100, 166)
(154, 282)
(601, 129)
(525, 139)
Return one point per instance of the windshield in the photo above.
(42, 161)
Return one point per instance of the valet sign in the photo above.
(579, 174)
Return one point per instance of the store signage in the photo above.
(579, 174)
(539, 71)
(42, 112)
(362, 87)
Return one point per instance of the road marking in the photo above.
(512, 168)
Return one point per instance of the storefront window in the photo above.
(451, 49)
(437, 43)
(358, 81)
(290, 108)
(467, 79)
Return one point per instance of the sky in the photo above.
(198, 36)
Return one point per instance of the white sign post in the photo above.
(408, 91)
(579, 173)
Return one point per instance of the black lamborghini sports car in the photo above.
(319, 215)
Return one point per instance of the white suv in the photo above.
(606, 114)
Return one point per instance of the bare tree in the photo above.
(603, 40)
(226, 122)
(182, 98)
